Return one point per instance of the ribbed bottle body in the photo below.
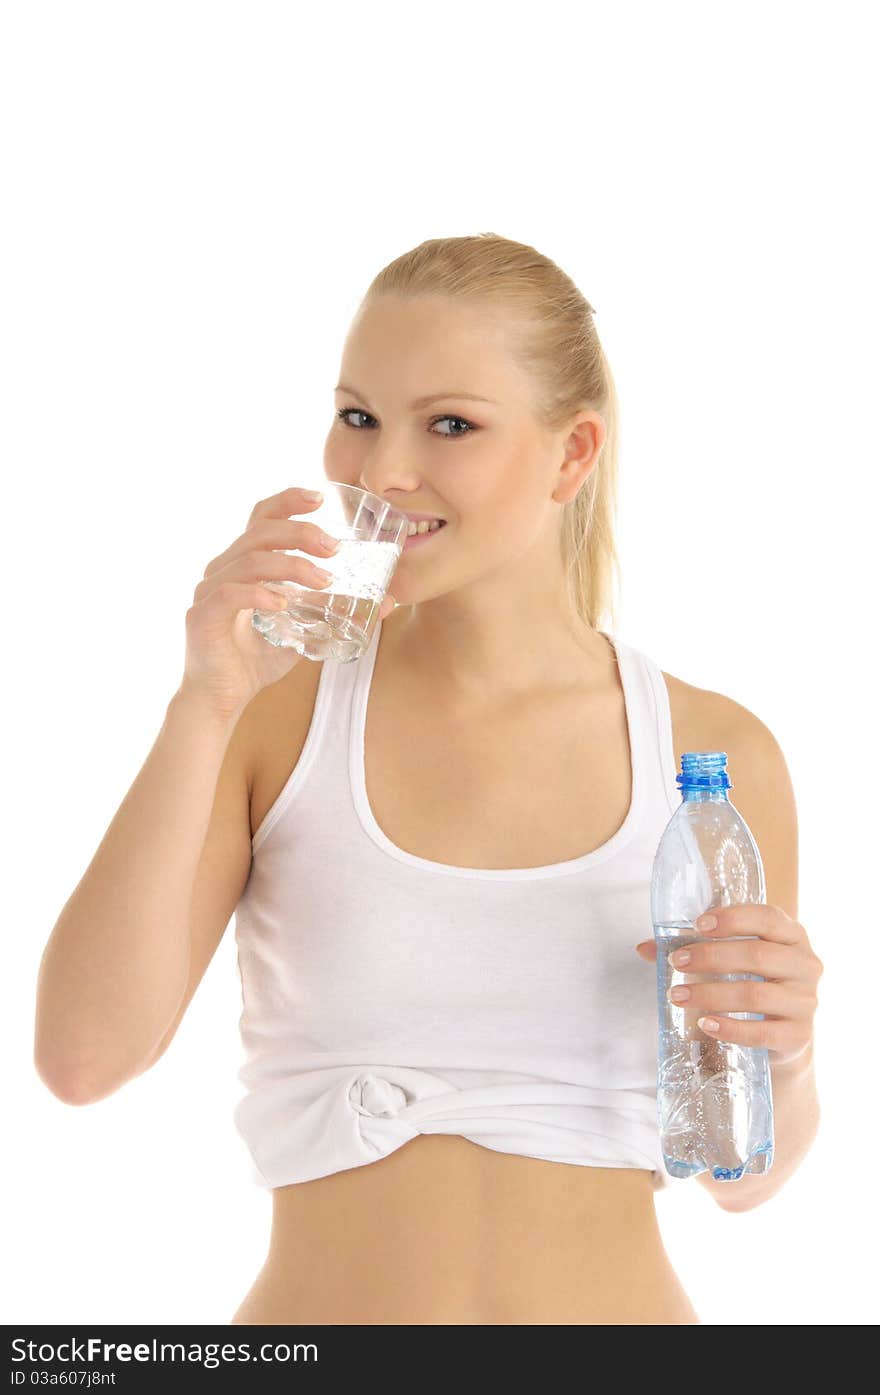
(714, 1097)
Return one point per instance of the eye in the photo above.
(344, 412)
(347, 411)
(462, 422)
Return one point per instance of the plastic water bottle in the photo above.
(714, 1098)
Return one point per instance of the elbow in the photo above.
(736, 1207)
(76, 1079)
(71, 1086)
(742, 1195)
(82, 1083)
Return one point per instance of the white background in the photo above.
(195, 198)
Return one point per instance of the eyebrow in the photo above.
(422, 401)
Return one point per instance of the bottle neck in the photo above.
(703, 776)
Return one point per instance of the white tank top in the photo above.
(386, 996)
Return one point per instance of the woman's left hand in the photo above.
(781, 954)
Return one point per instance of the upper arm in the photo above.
(256, 762)
(762, 792)
(223, 868)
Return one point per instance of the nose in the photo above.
(389, 473)
(392, 485)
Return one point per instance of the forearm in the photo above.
(115, 967)
(795, 1124)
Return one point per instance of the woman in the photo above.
(439, 856)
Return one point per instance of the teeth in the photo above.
(424, 526)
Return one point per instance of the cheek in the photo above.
(512, 499)
(502, 525)
(501, 479)
(335, 453)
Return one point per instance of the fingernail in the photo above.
(706, 922)
(709, 1024)
(331, 544)
(313, 493)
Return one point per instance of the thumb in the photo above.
(647, 950)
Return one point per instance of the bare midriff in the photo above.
(442, 1229)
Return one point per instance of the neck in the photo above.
(476, 658)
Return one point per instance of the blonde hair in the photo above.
(555, 340)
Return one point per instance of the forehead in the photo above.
(431, 344)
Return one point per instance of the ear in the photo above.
(582, 444)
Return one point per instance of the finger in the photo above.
(762, 957)
(273, 533)
(746, 995)
(752, 918)
(780, 1035)
(265, 567)
(228, 599)
(292, 500)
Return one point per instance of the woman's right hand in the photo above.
(227, 661)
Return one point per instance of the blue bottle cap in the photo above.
(704, 770)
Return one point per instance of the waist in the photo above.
(444, 1230)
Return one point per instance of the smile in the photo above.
(419, 534)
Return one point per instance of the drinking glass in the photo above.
(338, 620)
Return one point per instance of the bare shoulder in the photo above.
(761, 783)
(709, 718)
